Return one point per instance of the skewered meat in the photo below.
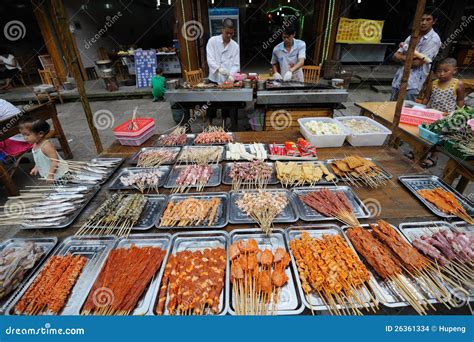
(446, 202)
(191, 212)
(213, 135)
(255, 174)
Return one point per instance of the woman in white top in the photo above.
(8, 68)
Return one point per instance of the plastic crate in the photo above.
(415, 120)
(137, 141)
(366, 139)
(428, 135)
(333, 140)
(144, 124)
(449, 147)
(427, 113)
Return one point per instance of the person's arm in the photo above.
(426, 99)
(211, 58)
(235, 68)
(301, 58)
(460, 95)
(50, 152)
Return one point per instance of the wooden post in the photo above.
(193, 30)
(76, 71)
(320, 14)
(415, 37)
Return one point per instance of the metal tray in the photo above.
(64, 224)
(385, 293)
(134, 159)
(289, 300)
(95, 249)
(313, 301)
(287, 158)
(193, 241)
(228, 166)
(185, 148)
(412, 230)
(308, 214)
(247, 148)
(214, 180)
(116, 183)
(237, 216)
(118, 161)
(418, 182)
(140, 240)
(387, 174)
(465, 227)
(215, 144)
(189, 140)
(322, 181)
(222, 213)
(47, 244)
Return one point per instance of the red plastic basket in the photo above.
(427, 113)
(137, 141)
(413, 120)
(144, 124)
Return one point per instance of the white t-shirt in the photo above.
(286, 59)
(219, 56)
(9, 62)
(7, 110)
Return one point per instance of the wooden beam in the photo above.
(334, 23)
(75, 70)
(318, 17)
(203, 17)
(49, 39)
(188, 25)
(415, 37)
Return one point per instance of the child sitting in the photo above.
(158, 83)
(445, 95)
(49, 164)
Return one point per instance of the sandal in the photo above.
(410, 155)
(426, 165)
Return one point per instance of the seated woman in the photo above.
(8, 68)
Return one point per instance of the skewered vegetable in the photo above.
(193, 176)
(262, 206)
(255, 174)
(446, 202)
(359, 171)
(213, 135)
(142, 180)
(201, 155)
(296, 174)
(192, 283)
(156, 157)
(191, 212)
(329, 268)
(256, 277)
(50, 291)
(137, 266)
(237, 151)
(15, 263)
(331, 204)
(176, 138)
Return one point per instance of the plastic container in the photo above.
(428, 135)
(333, 140)
(417, 116)
(137, 141)
(366, 139)
(144, 124)
(415, 120)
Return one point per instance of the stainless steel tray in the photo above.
(94, 189)
(308, 214)
(134, 159)
(287, 158)
(237, 216)
(194, 147)
(384, 291)
(222, 212)
(418, 182)
(116, 183)
(228, 166)
(214, 180)
(465, 227)
(289, 300)
(95, 249)
(322, 181)
(189, 140)
(192, 241)
(140, 240)
(117, 163)
(387, 174)
(247, 149)
(215, 144)
(313, 301)
(47, 244)
(413, 230)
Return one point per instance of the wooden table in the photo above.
(383, 113)
(468, 85)
(456, 167)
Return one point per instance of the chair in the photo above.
(311, 73)
(193, 77)
(49, 88)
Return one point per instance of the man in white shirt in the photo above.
(8, 68)
(288, 57)
(428, 46)
(223, 59)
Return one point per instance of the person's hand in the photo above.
(34, 171)
(287, 76)
(223, 71)
(277, 76)
(230, 78)
(50, 180)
